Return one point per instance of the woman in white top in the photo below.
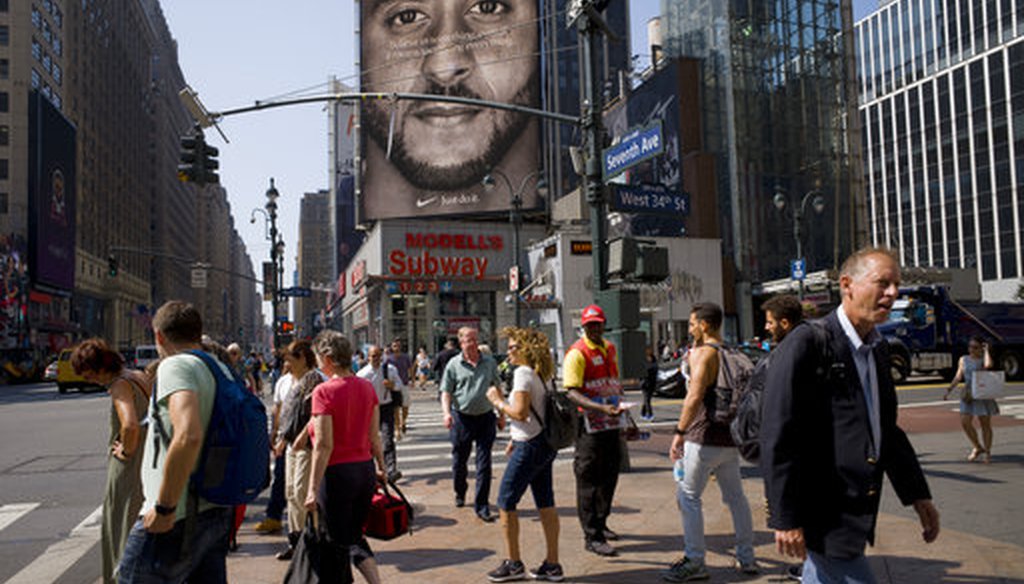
(531, 457)
(978, 357)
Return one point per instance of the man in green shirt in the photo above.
(470, 418)
(161, 546)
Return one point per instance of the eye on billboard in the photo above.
(429, 158)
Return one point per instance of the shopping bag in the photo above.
(314, 560)
(988, 384)
(390, 515)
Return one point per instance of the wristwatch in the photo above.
(163, 510)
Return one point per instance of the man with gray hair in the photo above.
(829, 431)
(386, 383)
(470, 419)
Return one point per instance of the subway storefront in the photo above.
(421, 281)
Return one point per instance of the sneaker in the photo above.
(795, 572)
(460, 501)
(507, 572)
(548, 572)
(686, 570)
(750, 568)
(285, 554)
(268, 525)
(601, 548)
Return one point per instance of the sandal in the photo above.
(988, 457)
(975, 453)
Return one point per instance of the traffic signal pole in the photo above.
(588, 26)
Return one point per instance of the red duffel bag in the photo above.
(390, 516)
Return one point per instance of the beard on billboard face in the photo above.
(444, 146)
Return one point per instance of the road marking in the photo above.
(415, 473)
(13, 511)
(59, 557)
(955, 403)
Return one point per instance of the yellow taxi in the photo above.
(66, 376)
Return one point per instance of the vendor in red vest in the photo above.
(591, 376)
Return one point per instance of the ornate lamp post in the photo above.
(781, 200)
(269, 213)
(516, 218)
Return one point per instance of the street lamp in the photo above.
(276, 251)
(516, 218)
(781, 201)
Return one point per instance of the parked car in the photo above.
(144, 355)
(67, 378)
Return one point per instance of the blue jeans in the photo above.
(528, 466)
(820, 569)
(158, 557)
(699, 461)
(466, 431)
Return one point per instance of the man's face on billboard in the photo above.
(483, 49)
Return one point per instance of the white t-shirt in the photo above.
(376, 377)
(525, 379)
(283, 387)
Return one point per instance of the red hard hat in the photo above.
(592, 313)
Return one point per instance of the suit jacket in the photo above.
(816, 447)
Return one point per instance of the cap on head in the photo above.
(592, 313)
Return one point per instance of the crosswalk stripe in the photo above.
(415, 473)
(59, 557)
(12, 512)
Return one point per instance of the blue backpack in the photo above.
(234, 465)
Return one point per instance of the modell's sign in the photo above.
(444, 255)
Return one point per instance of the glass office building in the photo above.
(779, 112)
(942, 108)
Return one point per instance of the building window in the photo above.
(5, 35)
(5, 68)
(58, 17)
(47, 33)
(35, 79)
(37, 50)
(57, 102)
(47, 91)
(58, 47)
(37, 19)
(47, 63)
(3, 6)
(5, 135)
(4, 175)
(3, 203)
(48, 5)
(5, 103)
(57, 73)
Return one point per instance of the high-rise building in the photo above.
(779, 101)
(942, 107)
(90, 122)
(314, 261)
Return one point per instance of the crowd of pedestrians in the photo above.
(828, 437)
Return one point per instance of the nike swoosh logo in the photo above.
(420, 203)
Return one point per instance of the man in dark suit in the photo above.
(829, 431)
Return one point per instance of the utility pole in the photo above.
(589, 27)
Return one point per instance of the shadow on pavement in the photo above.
(424, 559)
(897, 569)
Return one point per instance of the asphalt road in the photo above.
(52, 474)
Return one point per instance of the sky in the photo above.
(236, 52)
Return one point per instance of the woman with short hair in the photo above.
(129, 393)
(346, 443)
(531, 458)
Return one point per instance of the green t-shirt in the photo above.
(181, 372)
(468, 384)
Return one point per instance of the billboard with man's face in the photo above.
(430, 158)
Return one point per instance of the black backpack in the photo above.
(561, 420)
(746, 424)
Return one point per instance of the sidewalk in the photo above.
(451, 546)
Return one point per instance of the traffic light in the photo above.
(112, 266)
(190, 168)
(287, 327)
(198, 160)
